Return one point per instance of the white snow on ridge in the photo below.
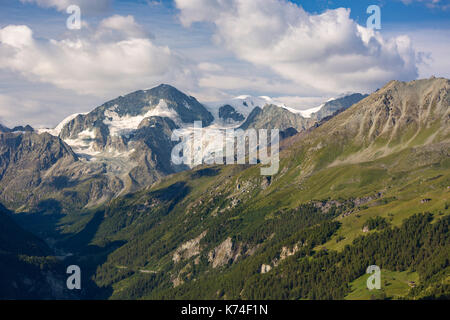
(123, 125)
(163, 110)
(244, 104)
(57, 130)
(308, 113)
(83, 146)
(242, 97)
(84, 143)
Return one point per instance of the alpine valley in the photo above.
(363, 180)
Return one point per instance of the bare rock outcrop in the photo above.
(223, 253)
(188, 249)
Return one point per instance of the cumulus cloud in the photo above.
(209, 67)
(327, 51)
(115, 58)
(432, 48)
(87, 6)
(121, 26)
(238, 83)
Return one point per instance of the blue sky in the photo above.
(302, 53)
(395, 13)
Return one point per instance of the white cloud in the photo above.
(432, 47)
(264, 84)
(328, 52)
(87, 6)
(209, 67)
(113, 59)
(122, 26)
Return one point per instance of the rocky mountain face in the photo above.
(27, 161)
(111, 127)
(40, 172)
(119, 147)
(274, 117)
(153, 147)
(27, 128)
(228, 114)
(135, 130)
(397, 117)
(233, 112)
(340, 104)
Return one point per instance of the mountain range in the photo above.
(122, 146)
(363, 180)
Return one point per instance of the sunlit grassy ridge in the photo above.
(394, 285)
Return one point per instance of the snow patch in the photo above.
(243, 104)
(163, 110)
(308, 113)
(84, 143)
(123, 125)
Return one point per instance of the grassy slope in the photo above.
(405, 192)
(394, 285)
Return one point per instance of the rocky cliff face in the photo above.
(340, 104)
(274, 117)
(25, 162)
(153, 146)
(402, 115)
(41, 172)
(270, 116)
(228, 114)
(399, 116)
